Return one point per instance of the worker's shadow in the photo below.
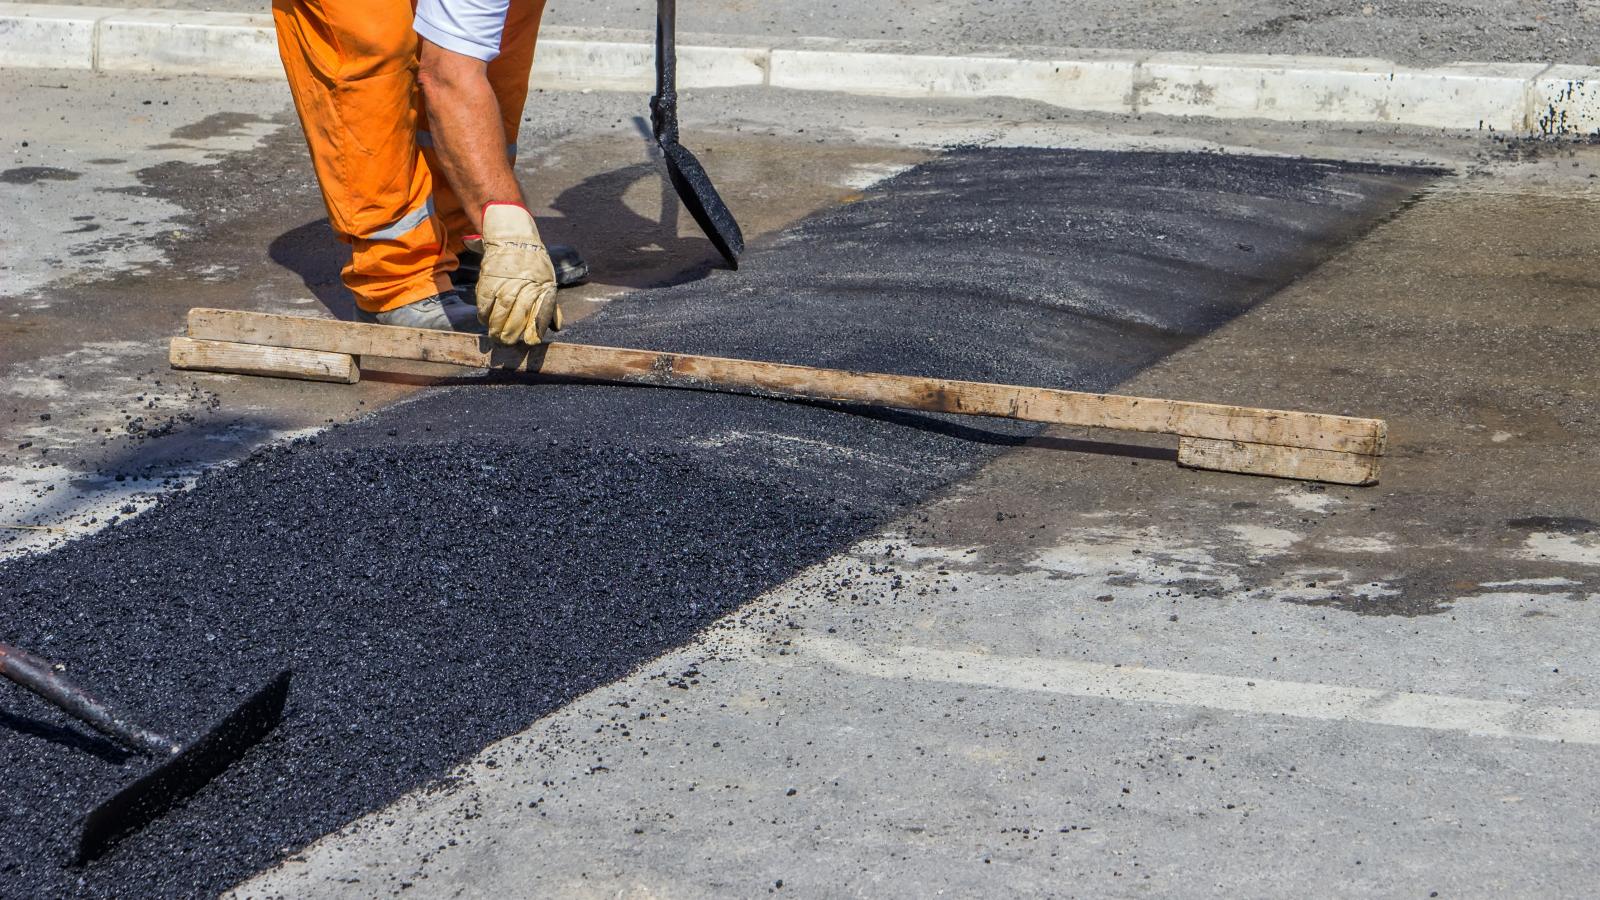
(624, 248)
(316, 255)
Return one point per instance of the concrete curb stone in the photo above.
(38, 35)
(179, 41)
(1514, 98)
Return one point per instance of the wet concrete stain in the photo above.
(36, 174)
(222, 124)
(1559, 524)
(448, 570)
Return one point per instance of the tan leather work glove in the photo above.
(516, 282)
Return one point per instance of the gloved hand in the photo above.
(517, 284)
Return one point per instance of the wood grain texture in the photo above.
(1212, 421)
(1303, 463)
(256, 359)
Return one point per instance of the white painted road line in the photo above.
(1488, 718)
(1517, 98)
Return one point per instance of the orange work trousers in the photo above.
(352, 68)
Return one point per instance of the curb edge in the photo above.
(1523, 99)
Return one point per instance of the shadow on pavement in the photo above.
(67, 737)
(624, 248)
(316, 255)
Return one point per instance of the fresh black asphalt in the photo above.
(446, 571)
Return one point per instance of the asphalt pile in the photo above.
(446, 571)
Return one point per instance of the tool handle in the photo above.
(39, 676)
(664, 105)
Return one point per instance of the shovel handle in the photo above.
(664, 105)
(38, 676)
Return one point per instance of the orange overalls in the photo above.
(352, 67)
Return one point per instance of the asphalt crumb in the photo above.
(510, 579)
(34, 174)
(1561, 524)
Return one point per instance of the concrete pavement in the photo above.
(1423, 646)
(462, 564)
(1086, 673)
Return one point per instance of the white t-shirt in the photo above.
(469, 27)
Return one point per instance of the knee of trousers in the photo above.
(351, 67)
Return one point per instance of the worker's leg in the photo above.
(508, 73)
(352, 68)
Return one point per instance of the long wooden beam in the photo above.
(1230, 438)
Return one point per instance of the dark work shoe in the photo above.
(441, 312)
(569, 264)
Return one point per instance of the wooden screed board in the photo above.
(1280, 443)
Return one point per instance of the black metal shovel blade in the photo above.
(178, 777)
(694, 188)
(688, 177)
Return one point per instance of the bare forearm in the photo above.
(467, 136)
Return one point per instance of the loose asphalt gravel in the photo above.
(446, 571)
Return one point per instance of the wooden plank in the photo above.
(354, 338)
(1059, 407)
(255, 359)
(1279, 462)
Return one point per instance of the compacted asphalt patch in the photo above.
(448, 570)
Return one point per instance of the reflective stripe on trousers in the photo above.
(407, 222)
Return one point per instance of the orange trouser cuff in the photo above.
(410, 293)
